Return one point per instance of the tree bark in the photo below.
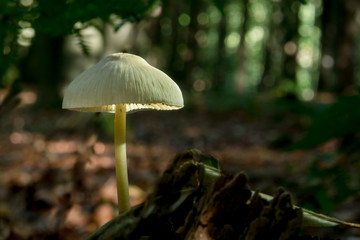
(190, 60)
(290, 27)
(240, 78)
(338, 44)
(43, 66)
(345, 60)
(220, 61)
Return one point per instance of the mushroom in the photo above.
(122, 83)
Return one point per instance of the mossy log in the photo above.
(194, 200)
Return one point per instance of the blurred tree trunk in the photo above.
(327, 79)
(345, 57)
(219, 76)
(338, 45)
(43, 66)
(193, 48)
(268, 78)
(290, 27)
(240, 77)
(172, 11)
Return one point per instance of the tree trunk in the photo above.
(290, 26)
(190, 60)
(272, 51)
(240, 77)
(43, 66)
(220, 65)
(338, 44)
(327, 78)
(172, 9)
(345, 60)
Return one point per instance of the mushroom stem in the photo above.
(120, 158)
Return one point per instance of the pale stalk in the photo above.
(120, 158)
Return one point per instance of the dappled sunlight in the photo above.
(20, 138)
(107, 192)
(99, 148)
(100, 162)
(103, 213)
(62, 146)
(28, 97)
(76, 217)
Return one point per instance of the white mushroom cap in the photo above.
(122, 78)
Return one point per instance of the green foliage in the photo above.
(340, 120)
(327, 184)
(82, 43)
(58, 18)
(10, 14)
(331, 178)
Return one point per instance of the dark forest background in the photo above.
(282, 48)
(271, 87)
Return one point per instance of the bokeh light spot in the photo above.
(184, 20)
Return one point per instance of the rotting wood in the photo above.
(194, 200)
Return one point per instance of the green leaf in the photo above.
(58, 18)
(83, 44)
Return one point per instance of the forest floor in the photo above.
(57, 176)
